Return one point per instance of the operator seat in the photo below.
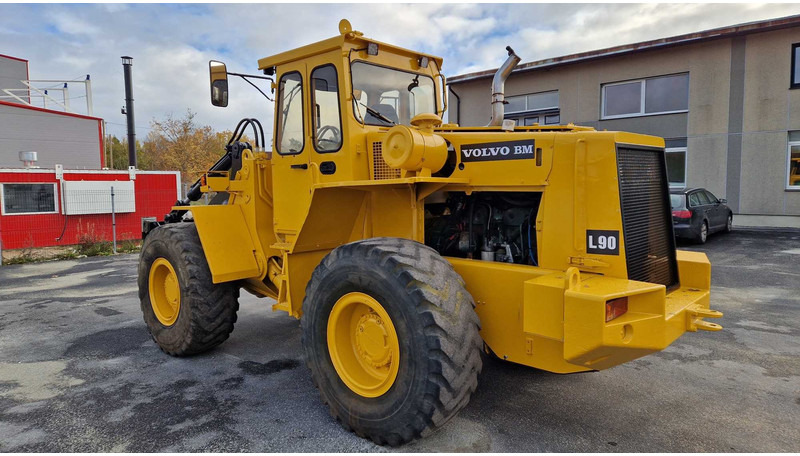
(386, 110)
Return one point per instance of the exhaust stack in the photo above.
(127, 63)
(498, 83)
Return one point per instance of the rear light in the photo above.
(682, 214)
(616, 308)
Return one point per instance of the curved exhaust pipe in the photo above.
(498, 84)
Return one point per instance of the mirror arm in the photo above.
(245, 76)
(252, 76)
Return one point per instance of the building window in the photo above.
(536, 108)
(644, 97)
(795, 76)
(794, 161)
(676, 158)
(28, 198)
(676, 167)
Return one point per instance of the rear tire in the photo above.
(435, 328)
(194, 314)
(702, 233)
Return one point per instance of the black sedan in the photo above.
(696, 213)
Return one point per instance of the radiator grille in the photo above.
(380, 168)
(646, 216)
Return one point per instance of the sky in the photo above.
(172, 44)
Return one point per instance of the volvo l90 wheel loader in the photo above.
(408, 247)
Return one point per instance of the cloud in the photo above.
(171, 44)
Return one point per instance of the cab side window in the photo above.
(289, 127)
(694, 200)
(326, 116)
(703, 198)
(711, 198)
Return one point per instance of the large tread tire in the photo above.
(437, 328)
(207, 310)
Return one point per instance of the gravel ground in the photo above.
(78, 372)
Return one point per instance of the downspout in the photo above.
(458, 108)
(498, 87)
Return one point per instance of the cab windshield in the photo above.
(385, 96)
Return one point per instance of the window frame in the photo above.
(793, 68)
(352, 88)
(642, 95)
(339, 104)
(532, 111)
(302, 115)
(789, 165)
(685, 151)
(711, 197)
(689, 203)
(56, 201)
(519, 117)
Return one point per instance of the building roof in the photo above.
(13, 58)
(679, 40)
(49, 111)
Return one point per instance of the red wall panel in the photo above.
(155, 194)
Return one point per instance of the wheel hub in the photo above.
(363, 344)
(165, 292)
(371, 340)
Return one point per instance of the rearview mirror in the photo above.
(219, 83)
(723, 201)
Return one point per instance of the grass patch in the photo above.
(129, 246)
(90, 244)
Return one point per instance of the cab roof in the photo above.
(346, 36)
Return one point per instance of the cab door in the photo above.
(291, 175)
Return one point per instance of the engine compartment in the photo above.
(489, 226)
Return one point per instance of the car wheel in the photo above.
(702, 234)
(729, 224)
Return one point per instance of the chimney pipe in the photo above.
(498, 88)
(28, 159)
(127, 63)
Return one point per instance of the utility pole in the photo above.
(127, 63)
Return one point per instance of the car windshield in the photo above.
(676, 201)
(385, 96)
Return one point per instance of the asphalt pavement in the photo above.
(79, 372)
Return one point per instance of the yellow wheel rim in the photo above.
(165, 292)
(363, 344)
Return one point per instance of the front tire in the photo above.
(729, 224)
(184, 310)
(391, 338)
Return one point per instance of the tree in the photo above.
(117, 154)
(173, 144)
(179, 144)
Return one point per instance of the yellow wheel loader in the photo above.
(410, 248)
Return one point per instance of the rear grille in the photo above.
(647, 216)
(380, 169)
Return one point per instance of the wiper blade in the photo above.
(377, 114)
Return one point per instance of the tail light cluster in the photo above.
(683, 214)
(616, 308)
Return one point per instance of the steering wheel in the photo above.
(333, 142)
